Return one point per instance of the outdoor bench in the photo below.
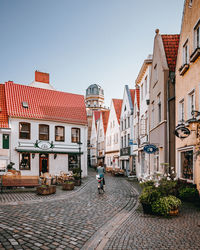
(19, 181)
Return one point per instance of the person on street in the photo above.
(101, 172)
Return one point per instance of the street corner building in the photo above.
(188, 95)
(41, 129)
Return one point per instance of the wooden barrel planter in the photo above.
(68, 185)
(174, 212)
(46, 190)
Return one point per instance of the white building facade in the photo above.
(142, 81)
(48, 128)
(113, 135)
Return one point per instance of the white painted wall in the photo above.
(55, 165)
(93, 142)
(113, 131)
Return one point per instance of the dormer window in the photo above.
(25, 104)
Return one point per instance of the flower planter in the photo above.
(174, 212)
(68, 186)
(77, 182)
(46, 190)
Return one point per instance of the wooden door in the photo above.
(44, 163)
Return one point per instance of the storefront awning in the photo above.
(46, 152)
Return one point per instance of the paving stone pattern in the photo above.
(69, 220)
(63, 223)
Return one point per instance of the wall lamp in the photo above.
(55, 156)
(33, 156)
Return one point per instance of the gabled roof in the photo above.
(170, 43)
(97, 115)
(118, 107)
(44, 104)
(137, 92)
(3, 109)
(132, 92)
(105, 116)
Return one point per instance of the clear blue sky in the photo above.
(82, 42)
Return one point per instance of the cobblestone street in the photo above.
(83, 219)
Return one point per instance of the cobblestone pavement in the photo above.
(65, 222)
(83, 219)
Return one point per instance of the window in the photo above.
(24, 130)
(24, 161)
(125, 141)
(43, 132)
(152, 114)
(155, 73)
(187, 164)
(145, 85)
(129, 122)
(190, 3)
(146, 122)
(186, 53)
(191, 103)
(156, 162)
(75, 132)
(122, 142)
(5, 141)
(59, 133)
(101, 132)
(197, 35)
(128, 139)
(159, 109)
(113, 124)
(181, 110)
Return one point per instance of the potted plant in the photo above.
(148, 196)
(68, 185)
(46, 189)
(166, 206)
(77, 176)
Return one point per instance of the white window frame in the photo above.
(190, 94)
(185, 54)
(145, 85)
(197, 35)
(181, 110)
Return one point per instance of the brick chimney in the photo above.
(41, 77)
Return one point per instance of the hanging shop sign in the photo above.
(150, 149)
(182, 132)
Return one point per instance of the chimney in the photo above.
(41, 77)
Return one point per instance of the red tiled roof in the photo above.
(45, 104)
(3, 110)
(138, 97)
(132, 92)
(97, 115)
(105, 116)
(118, 107)
(171, 43)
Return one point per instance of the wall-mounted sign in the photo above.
(44, 145)
(182, 132)
(132, 142)
(150, 148)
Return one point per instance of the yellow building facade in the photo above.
(188, 95)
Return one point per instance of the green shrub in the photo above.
(147, 184)
(188, 194)
(164, 205)
(149, 195)
(168, 187)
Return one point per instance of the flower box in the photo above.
(68, 185)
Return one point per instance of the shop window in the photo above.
(75, 133)
(24, 161)
(5, 141)
(24, 130)
(187, 165)
(59, 133)
(73, 161)
(43, 132)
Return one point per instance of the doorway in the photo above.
(44, 163)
